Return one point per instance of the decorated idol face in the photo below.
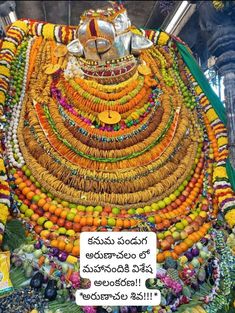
(102, 36)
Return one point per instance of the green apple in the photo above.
(176, 235)
(81, 208)
(155, 206)
(151, 219)
(161, 204)
(147, 209)
(98, 208)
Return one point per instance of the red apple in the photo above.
(68, 225)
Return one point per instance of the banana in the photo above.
(194, 310)
(200, 309)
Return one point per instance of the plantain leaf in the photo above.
(14, 234)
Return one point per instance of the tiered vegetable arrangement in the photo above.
(161, 168)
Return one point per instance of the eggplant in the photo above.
(51, 290)
(37, 280)
(170, 298)
(194, 285)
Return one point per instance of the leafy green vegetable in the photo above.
(66, 307)
(17, 276)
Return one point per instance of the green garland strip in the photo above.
(213, 98)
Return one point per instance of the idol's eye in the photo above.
(91, 44)
(102, 45)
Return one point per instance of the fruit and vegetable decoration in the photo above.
(109, 140)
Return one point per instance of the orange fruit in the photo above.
(178, 250)
(160, 257)
(54, 219)
(18, 181)
(52, 208)
(58, 211)
(166, 223)
(119, 223)
(77, 219)
(34, 217)
(191, 196)
(126, 223)
(189, 242)
(193, 237)
(178, 202)
(183, 246)
(41, 202)
(63, 214)
(30, 195)
(96, 221)
(174, 255)
(197, 236)
(188, 201)
(104, 221)
(200, 233)
(22, 185)
(46, 206)
(25, 190)
(38, 229)
(61, 245)
(167, 254)
(158, 219)
(54, 243)
(68, 247)
(83, 221)
(76, 251)
(45, 234)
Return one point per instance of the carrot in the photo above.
(191, 266)
(52, 269)
(41, 260)
(69, 273)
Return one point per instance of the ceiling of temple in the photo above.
(141, 13)
(146, 14)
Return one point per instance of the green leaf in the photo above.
(14, 234)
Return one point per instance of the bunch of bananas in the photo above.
(196, 309)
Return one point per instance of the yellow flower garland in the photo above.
(230, 218)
